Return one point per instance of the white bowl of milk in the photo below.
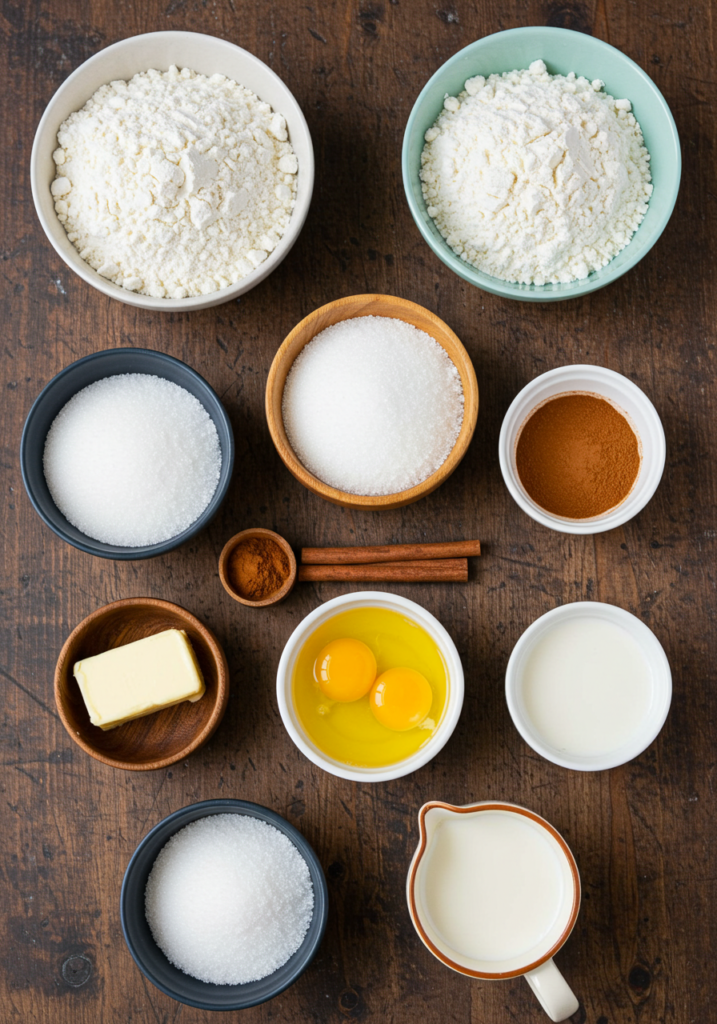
(588, 686)
(494, 891)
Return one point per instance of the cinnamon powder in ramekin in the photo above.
(577, 456)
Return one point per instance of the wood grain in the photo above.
(643, 835)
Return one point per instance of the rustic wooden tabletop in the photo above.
(644, 834)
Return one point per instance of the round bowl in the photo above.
(79, 375)
(346, 309)
(654, 655)
(151, 960)
(563, 51)
(206, 55)
(454, 698)
(164, 737)
(227, 551)
(629, 399)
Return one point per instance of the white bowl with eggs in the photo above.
(205, 55)
(454, 686)
(588, 700)
(622, 393)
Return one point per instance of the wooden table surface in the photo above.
(643, 834)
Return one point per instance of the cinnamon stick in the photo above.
(437, 570)
(389, 553)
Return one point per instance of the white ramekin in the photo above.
(206, 55)
(454, 695)
(654, 656)
(622, 393)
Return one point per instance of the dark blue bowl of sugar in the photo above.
(65, 386)
(149, 957)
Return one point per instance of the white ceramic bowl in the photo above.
(206, 55)
(622, 393)
(454, 696)
(661, 682)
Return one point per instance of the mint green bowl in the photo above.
(563, 51)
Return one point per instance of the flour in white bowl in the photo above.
(174, 184)
(536, 178)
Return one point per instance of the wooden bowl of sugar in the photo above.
(164, 737)
(347, 309)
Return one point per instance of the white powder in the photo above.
(174, 184)
(229, 899)
(372, 405)
(132, 460)
(536, 178)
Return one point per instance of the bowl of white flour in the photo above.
(172, 171)
(540, 164)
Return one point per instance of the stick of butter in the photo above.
(139, 678)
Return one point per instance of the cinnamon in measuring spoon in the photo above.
(577, 456)
(257, 568)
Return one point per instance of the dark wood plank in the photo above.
(644, 834)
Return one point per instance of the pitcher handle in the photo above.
(553, 992)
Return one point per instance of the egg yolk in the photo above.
(401, 698)
(345, 669)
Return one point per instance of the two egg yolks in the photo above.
(400, 698)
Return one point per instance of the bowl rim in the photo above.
(149, 550)
(508, 289)
(454, 701)
(170, 305)
(654, 654)
(623, 512)
(230, 805)
(63, 669)
(370, 502)
(233, 542)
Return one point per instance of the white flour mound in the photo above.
(174, 184)
(536, 178)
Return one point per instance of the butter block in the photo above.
(139, 678)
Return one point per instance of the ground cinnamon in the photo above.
(577, 456)
(257, 568)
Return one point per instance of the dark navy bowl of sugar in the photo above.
(261, 886)
(127, 453)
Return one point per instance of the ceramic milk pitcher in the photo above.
(494, 892)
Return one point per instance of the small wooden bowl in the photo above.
(164, 737)
(345, 309)
(229, 547)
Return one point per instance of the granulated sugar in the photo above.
(229, 899)
(372, 405)
(132, 460)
